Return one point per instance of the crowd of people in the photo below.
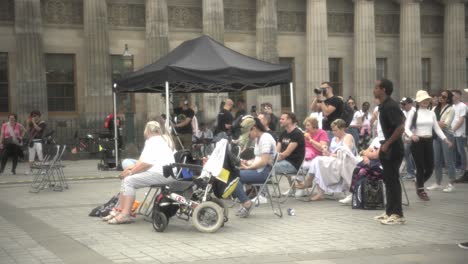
(13, 136)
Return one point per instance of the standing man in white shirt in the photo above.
(458, 127)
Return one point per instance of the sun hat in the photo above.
(422, 95)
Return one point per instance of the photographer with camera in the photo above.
(331, 106)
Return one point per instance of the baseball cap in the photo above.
(406, 100)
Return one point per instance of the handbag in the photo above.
(7, 141)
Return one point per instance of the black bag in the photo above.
(104, 210)
(7, 141)
(368, 194)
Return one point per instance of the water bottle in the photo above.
(291, 211)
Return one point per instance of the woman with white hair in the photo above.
(147, 171)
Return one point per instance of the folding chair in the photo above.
(273, 181)
(404, 192)
(300, 172)
(44, 173)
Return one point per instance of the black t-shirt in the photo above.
(224, 117)
(34, 134)
(390, 118)
(297, 156)
(273, 122)
(181, 115)
(338, 104)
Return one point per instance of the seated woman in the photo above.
(315, 139)
(147, 171)
(370, 163)
(333, 171)
(257, 169)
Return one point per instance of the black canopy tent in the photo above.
(203, 65)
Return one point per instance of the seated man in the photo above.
(147, 171)
(290, 146)
(334, 169)
(202, 142)
(257, 169)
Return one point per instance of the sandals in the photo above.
(111, 215)
(125, 219)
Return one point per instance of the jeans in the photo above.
(423, 155)
(391, 177)
(250, 176)
(460, 148)
(285, 167)
(410, 167)
(442, 153)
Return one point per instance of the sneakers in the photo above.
(423, 196)
(289, 193)
(394, 219)
(434, 187)
(463, 245)
(261, 200)
(347, 200)
(449, 188)
(381, 217)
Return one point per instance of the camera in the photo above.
(322, 91)
(253, 109)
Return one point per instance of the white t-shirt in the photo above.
(157, 153)
(425, 122)
(379, 127)
(266, 144)
(356, 116)
(460, 111)
(412, 110)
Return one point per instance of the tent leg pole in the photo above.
(291, 94)
(167, 106)
(116, 144)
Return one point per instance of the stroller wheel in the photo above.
(160, 221)
(208, 217)
(225, 209)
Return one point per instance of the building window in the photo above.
(60, 77)
(426, 74)
(381, 68)
(285, 91)
(336, 75)
(4, 103)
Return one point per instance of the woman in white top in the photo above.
(442, 153)
(147, 171)
(418, 127)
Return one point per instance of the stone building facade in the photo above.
(59, 56)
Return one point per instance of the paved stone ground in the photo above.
(53, 227)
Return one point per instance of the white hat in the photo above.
(422, 95)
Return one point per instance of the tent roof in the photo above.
(205, 65)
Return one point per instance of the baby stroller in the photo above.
(199, 199)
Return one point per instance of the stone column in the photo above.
(98, 85)
(410, 48)
(317, 46)
(266, 48)
(213, 26)
(364, 50)
(31, 89)
(157, 46)
(454, 45)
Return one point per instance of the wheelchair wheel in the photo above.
(160, 221)
(226, 210)
(208, 217)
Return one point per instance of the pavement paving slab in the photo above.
(54, 227)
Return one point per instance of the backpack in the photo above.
(347, 114)
(104, 210)
(368, 194)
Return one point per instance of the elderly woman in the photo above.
(315, 139)
(257, 169)
(147, 171)
(333, 171)
(11, 136)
